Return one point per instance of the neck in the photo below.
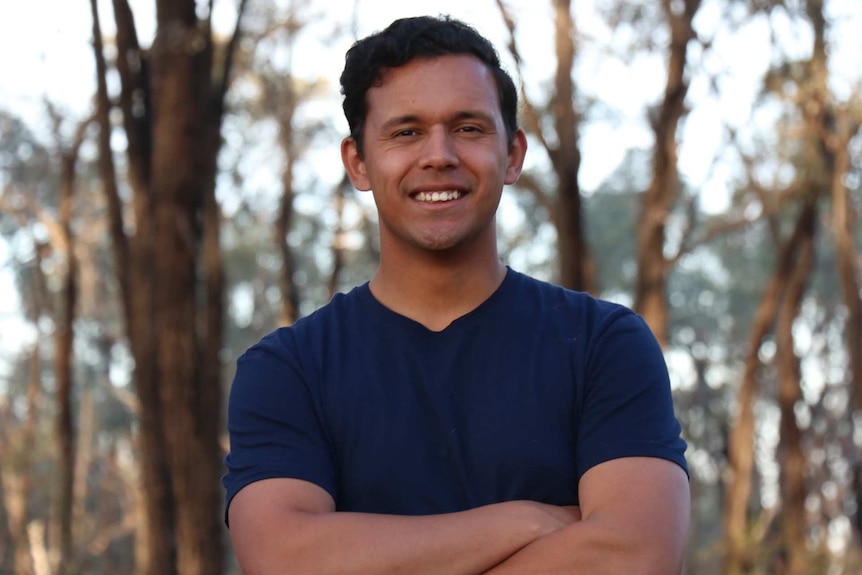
(435, 289)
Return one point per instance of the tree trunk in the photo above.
(338, 238)
(171, 276)
(566, 158)
(154, 545)
(651, 285)
(575, 266)
(208, 413)
(843, 220)
(740, 449)
(63, 358)
(19, 441)
(177, 94)
(16, 468)
(791, 456)
(287, 286)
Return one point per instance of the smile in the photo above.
(437, 196)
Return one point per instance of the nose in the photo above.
(438, 151)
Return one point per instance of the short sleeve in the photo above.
(627, 407)
(273, 422)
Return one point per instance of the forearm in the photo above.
(468, 542)
(595, 548)
(636, 516)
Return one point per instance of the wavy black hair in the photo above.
(419, 37)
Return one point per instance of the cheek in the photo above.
(388, 170)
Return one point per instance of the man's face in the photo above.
(436, 154)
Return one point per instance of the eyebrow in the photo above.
(399, 121)
(475, 115)
(413, 118)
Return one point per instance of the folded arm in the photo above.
(290, 526)
(635, 521)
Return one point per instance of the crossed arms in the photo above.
(633, 519)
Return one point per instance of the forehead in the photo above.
(433, 85)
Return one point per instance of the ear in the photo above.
(354, 165)
(517, 152)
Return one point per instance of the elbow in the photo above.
(635, 560)
(614, 550)
(262, 562)
(664, 564)
(274, 551)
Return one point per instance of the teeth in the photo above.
(438, 196)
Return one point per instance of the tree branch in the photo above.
(530, 114)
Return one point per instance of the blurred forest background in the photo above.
(201, 202)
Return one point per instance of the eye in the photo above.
(470, 129)
(405, 133)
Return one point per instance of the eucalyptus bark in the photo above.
(154, 546)
(575, 268)
(286, 105)
(565, 207)
(650, 299)
(17, 466)
(18, 443)
(790, 449)
(738, 556)
(338, 238)
(64, 336)
(171, 275)
(831, 127)
(843, 221)
(175, 238)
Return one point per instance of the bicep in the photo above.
(645, 500)
(274, 426)
(263, 513)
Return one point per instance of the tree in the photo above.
(33, 208)
(564, 204)
(170, 270)
(813, 144)
(63, 340)
(650, 291)
(282, 96)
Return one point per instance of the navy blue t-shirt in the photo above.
(514, 400)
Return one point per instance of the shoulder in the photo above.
(291, 358)
(311, 332)
(594, 330)
(569, 309)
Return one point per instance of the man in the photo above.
(451, 415)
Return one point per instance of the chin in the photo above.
(448, 244)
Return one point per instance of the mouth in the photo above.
(437, 197)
